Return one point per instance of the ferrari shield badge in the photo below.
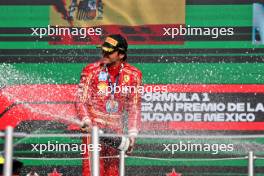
(126, 78)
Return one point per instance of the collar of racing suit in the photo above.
(114, 70)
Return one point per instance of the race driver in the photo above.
(101, 105)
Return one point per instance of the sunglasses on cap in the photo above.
(108, 52)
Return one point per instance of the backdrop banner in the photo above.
(178, 107)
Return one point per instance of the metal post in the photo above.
(95, 152)
(122, 163)
(8, 165)
(251, 163)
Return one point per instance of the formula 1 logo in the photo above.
(173, 173)
(86, 10)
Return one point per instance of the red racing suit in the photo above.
(93, 106)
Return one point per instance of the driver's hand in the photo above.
(131, 145)
(86, 125)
